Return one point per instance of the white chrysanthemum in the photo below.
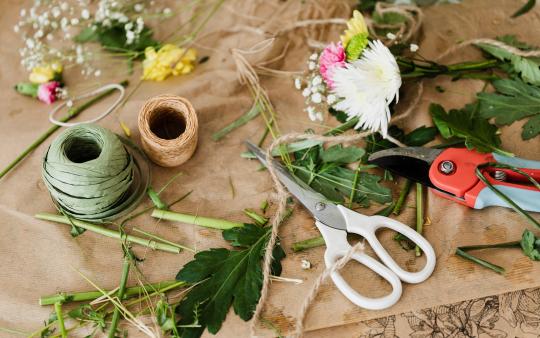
(367, 86)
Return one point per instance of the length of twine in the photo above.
(282, 194)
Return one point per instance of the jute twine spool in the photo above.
(169, 130)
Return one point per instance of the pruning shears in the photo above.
(452, 173)
(335, 221)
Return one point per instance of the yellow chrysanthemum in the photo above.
(46, 72)
(356, 25)
(168, 60)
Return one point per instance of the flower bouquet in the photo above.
(359, 77)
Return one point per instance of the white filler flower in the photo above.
(367, 86)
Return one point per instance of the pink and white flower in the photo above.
(332, 57)
(47, 92)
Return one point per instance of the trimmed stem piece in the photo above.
(121, 290)
(107, 232)
(91, 295)
(308, 244)
(196, 220)
(419, 216)
(402, 196)
(60, 319)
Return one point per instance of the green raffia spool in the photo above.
(91, 174)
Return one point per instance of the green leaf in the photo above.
(164, 316)
(512, 101)
(530, 245)
(87, 34)
(477, 132)
(339, 115)
(340, 155)
(527, 7)
(531, 128)
(225, 278)
(513, 41)
(420, 136)
(86, 313)
(528, 68)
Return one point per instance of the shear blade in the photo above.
(409, 162)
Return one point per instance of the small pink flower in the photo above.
(332, 56)
(47, 92)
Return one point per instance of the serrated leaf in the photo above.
(225, 278)
(529, 245)
(477, 132)
(531, 128)
(528, 68)
(512, 101)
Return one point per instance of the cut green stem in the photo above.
(60, 319)
(66, 297)
(308, 244)
(258, 219)
(70, 114)
(196, 220)
(419, 215)
(248, 116)
(121, 290)
(462, 252)
(108, 233)
(402, 196)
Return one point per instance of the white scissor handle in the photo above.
(336, 247)
(367, 226)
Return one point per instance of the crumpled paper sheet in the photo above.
(40, 258)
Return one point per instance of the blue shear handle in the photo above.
(526, 199)
(517, 162)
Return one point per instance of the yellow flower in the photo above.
(168, 60)
(356, 25)
(46, 72)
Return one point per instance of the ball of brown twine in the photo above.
(169, 129)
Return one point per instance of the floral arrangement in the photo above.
(359, 77)
(119, 27)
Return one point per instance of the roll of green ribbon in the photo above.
(90, 173)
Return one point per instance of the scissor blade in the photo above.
(410, 162)
(323, 210)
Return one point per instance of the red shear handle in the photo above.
(453, 172)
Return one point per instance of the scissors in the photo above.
(335, 221)
(451, 174)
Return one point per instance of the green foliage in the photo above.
(326, 172)
(340, 155)
(85, 313)
(477, 132)
(530, 245)
(48, 331)
(223, 278)
(513, 100)
(524, 9)
(527, 68)
(165, 317)
(113, 38)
